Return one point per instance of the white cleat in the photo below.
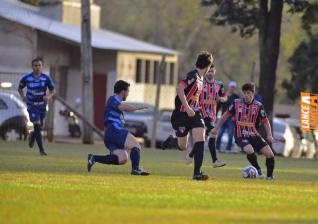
(189, 160)
(218, 164)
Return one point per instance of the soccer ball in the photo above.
(250, 172)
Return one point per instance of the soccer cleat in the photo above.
(260, 176)
(200, 176)
(272, 178)
(218, 164)
(31, 141)
(188, 159)
(90, 162)
(43, 153)
(139, 172)
(167, 143)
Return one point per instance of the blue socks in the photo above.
(135, 158)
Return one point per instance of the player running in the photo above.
(212, 92)
(187, 115)
(116, 138)
(36, 98)
(247, 113)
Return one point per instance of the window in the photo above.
(147, 71)
(139, 70)
(172, 75)
(3, 105)
(155, 71)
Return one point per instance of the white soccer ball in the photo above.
(250, 172)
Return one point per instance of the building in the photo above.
(52, 31)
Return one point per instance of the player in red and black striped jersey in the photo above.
(212, 92)
(187, 114)
(248, 112)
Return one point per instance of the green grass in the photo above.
(58, 189)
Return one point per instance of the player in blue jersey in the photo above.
(116, 138)
(40, 88)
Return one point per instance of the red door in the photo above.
(99, 86)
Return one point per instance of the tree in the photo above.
(304, 68)
(249, 17)
(304, 61)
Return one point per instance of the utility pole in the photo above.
(161, 71)
(86, 70)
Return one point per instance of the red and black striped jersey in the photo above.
(211, 92)
(192, 85)
(246, 117)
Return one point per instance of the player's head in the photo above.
(248, 91)
(121, 88)
(204, 61)
(37, 65)
(211, 73)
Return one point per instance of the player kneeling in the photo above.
(116, 138)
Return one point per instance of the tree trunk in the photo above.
(87, 72)
(269, 51)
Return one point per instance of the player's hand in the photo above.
(142, 108)
(25, 99)
(190, 112)
(46, 98)
(214, 132)
(271, 139)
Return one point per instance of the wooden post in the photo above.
(87, 74)
(161, 71)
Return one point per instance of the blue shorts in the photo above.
(115, 137)
(36, 115)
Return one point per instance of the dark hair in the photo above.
(38, 59)
(249, 87)
(204, 59)
(121, 85)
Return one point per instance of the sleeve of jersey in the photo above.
(50, 83)
(263, 115)
(22, 83)
(115, 102)
(188, 80)
(231, 109)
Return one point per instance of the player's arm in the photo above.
(262, 115)
(22, 84)
(51, 89)
(50, 94)
(224, 117)
(182, 97)
(268, 130)
(130, 108)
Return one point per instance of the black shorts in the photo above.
(257, 143)
(182, 123)
(209, 125)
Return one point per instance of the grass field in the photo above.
(58, 189)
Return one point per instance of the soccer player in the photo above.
(247, 113)
(212, 92)
(36, 98)
(187, 115)
(116, 138)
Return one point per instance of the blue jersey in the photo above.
(112, 114)
(36, 90)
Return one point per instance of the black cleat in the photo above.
(31, 140)
(43, 153)
(167, 143)
(200, 176)
(139, 172)
(90, 162)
